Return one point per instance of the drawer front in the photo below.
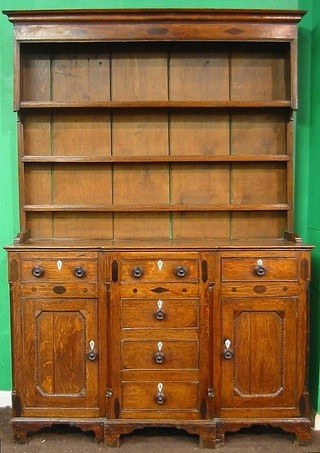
(159, 270)
(270, 289)
(160, 395)
(83, 290)
(63, 270)
(159, 355)
(163, 290)
(159, 313)
(246, 269)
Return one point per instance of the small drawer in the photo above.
(158, 270)
(163, 290)
(160, 355)
(83, 290)
(160, 395)
(269, 289)
(252, 268)
(159, 313)
(59, 269)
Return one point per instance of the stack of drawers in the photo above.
(160, 336)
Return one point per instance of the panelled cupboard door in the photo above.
(259, 356)
(58, 372)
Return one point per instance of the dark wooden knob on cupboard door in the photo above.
(181, 271)
(137, 272)
(92, 354)
(37, 271)
(79, 272)
(227, 352)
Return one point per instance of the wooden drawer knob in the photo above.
(37, 271)
(159, 357)
(160, 396)
(181, 271)
(159, 315)
(260, 271)
(137, 272)
(79, 272)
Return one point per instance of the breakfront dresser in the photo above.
(156, 279)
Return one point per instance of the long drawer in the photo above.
(259, 268)
(159, 270)
(160, 395)
(58, 289)
(160, 355)
(159, 313)
(60, 269)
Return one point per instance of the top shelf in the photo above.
(155, 104)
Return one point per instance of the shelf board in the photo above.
(142, 159)
(158, 208)
(154, 104)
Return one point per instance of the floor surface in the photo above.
(63, 439)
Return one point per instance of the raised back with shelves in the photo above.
(157, 140)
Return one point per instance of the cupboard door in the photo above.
(259, 356)
(58, 335)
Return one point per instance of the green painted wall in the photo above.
(313, 218)
(308, 226)
(307, 206)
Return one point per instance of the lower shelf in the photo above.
(211, 432)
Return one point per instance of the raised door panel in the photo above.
(259, 355)
(58, 373)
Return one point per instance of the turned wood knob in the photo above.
(227, 352)
(92, 354)
(159, 315)
(79, 272)
(181, 271)
(137, 272)
(159, 357)
(260, 270)
(160, 398)
(37, 271)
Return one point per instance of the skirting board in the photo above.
(317, 422)
(5, 398)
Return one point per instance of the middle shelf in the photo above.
(156, 208)
(142, 159)
(148, 135)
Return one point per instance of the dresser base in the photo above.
(22, 425)
(211, 432)
(301, 427)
